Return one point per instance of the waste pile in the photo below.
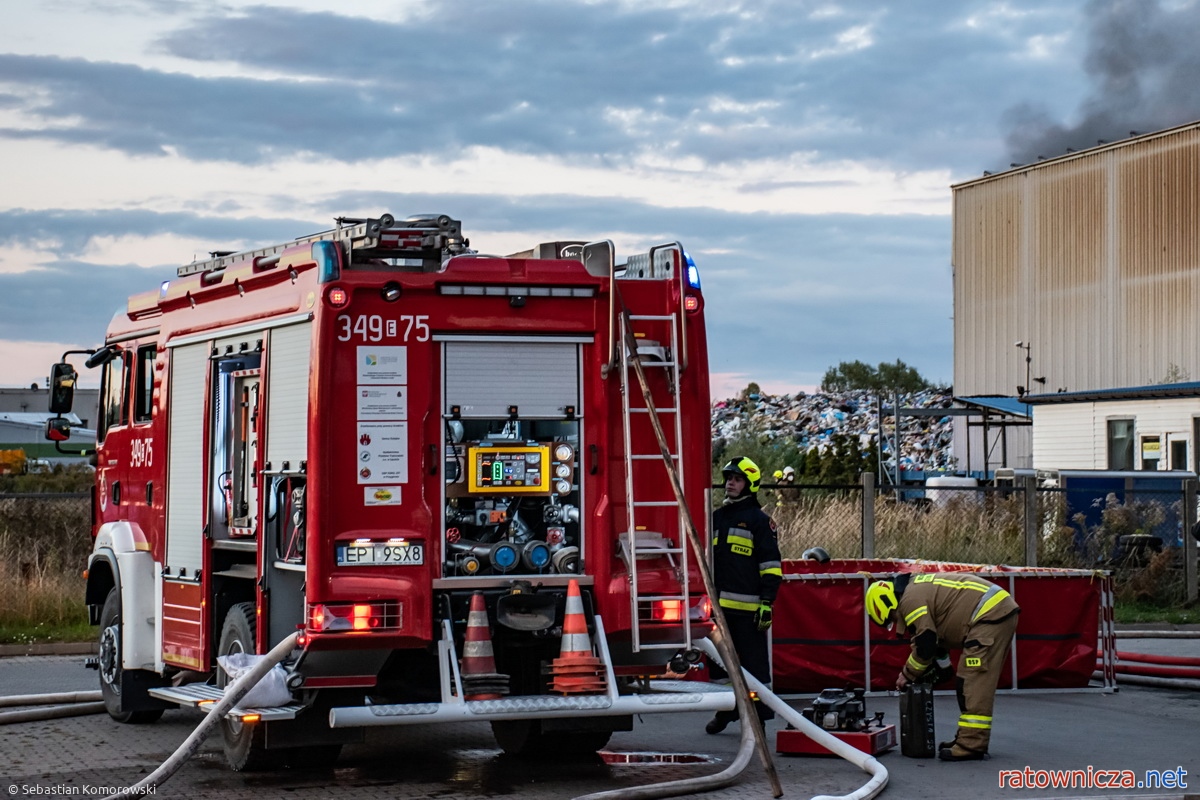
(810, 421)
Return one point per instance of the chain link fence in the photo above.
(1145, 538)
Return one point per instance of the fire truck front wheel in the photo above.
(112, 675)
(244, 744)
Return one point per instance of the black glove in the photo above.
(762, 617)
(942, 670)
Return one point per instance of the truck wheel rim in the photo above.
(110, 658)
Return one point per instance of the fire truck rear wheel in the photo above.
(110, 670)
(244, 744)
(525, 737)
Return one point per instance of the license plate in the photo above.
(380, 554)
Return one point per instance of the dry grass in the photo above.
(964, 529)
(44, 544)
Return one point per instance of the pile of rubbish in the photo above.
(812, 420)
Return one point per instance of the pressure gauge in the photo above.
(562, 486)
(563, 452)
(562, 471)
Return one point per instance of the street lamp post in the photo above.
(1026, 346)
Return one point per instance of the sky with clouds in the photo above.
(803, 152)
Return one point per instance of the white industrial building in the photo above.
(1077, 290)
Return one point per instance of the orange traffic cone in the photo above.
(576, 670)
(479, 676)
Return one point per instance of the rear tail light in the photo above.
(666, 610)
(353, 617)
(669, 610)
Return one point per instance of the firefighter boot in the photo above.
(953, 751)
(720, 722)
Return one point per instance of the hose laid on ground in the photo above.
(233, 693)
(1151, 658)
(49, 699)
(867, 763)
(51, 712)
(1158, 634)
(1157, 670)
(703, 783)
(56, 705)
(1161, 683)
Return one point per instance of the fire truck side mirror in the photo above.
(58, 429)
(62, 387)
(101, 357)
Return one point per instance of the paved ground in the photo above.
(1136, 729)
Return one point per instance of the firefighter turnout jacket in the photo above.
(939, 610)
(747, 566)
(944, 611)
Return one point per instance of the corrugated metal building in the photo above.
(1090, 260)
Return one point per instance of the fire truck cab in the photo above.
(360, 433)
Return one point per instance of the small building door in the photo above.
(1177, 451)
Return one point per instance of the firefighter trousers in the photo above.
(980, 666)
(751, 646)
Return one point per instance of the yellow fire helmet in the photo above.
(747, 469)
(881, 600)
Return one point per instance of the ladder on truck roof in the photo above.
(422, 236)
(641, 544)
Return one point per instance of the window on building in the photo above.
(144, 383)
(1120, 444)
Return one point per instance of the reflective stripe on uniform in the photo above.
(975, 721)
(770, 568)
(991, 598)
(739, 602)
(917, 664)
(742, 540)
(916, 615)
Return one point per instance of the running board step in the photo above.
(201, 695)
(667, 697)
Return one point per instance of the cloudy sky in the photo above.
(802, 151)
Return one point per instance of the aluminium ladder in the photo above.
(641, 542)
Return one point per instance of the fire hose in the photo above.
(58, 705)
(233, 693)
(1146, 669)
(867, 763)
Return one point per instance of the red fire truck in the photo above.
(354, 433)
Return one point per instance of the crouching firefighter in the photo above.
(747, 571)
(940, 611)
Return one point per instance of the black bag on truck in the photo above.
(917, 738)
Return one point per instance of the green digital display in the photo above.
(497, 471)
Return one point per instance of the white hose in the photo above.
(49, 699)
(703, 783)
(233, 693)
(867, 763)
(51, 712)
(1158, 634)
(1150, 680)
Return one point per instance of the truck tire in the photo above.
(244, 744)
(525, 738)
(111, 672)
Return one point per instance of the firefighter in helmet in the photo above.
(747, 572)
(941, 611)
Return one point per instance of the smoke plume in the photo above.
(1144, 65)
